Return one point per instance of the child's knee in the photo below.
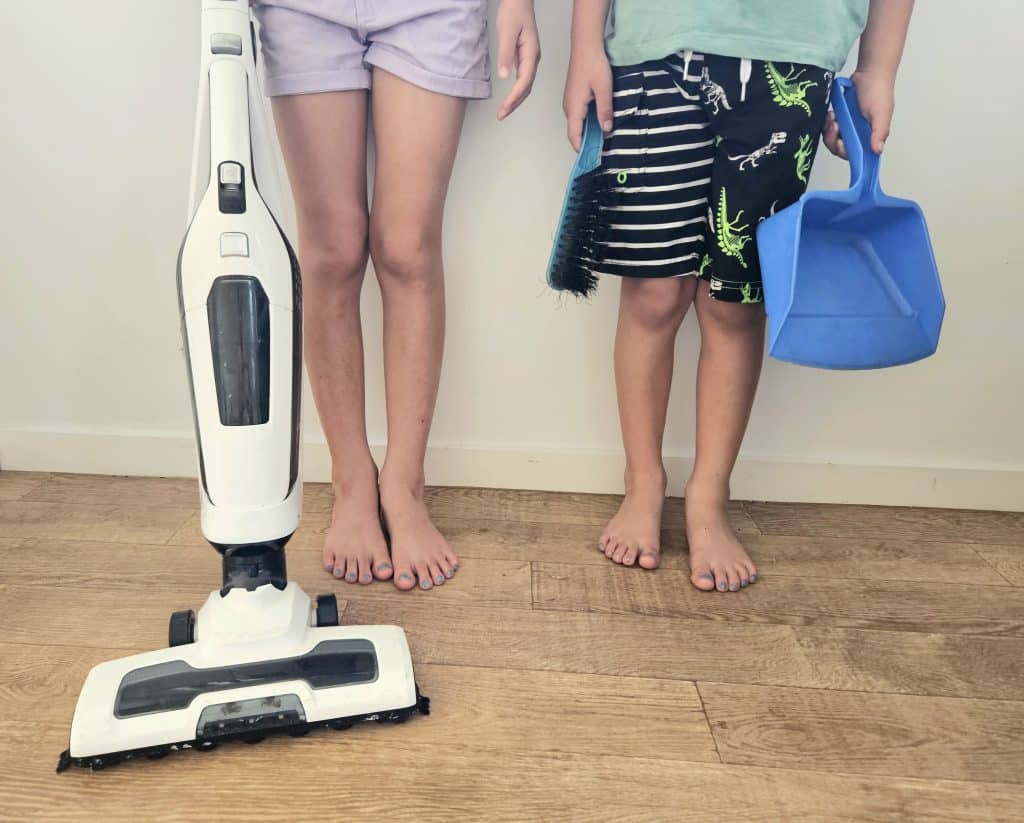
(404, 254)
(335, 262)
(731, 317)
(657, 303)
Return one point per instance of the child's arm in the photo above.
(881, 47)
(518, 47)
(590, 75)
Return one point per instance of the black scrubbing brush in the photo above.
(583, 220)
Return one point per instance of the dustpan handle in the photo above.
(856, 133)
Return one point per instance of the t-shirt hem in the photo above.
(628, 54)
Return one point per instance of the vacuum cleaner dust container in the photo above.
(260, 657)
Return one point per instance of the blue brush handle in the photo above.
(591, 143)
(856, 133)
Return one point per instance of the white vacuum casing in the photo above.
(250, 475)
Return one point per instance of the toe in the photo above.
(703, 579)
(365, 570)
(610, 545)
(423, 576)
(382, 568)
(351, 570)
(649, 559)
(620, 551)
(404, 578)
(328, 558)
(629, 556)
(451, 564)
(436, 574)
(721, 578)
(735, 579)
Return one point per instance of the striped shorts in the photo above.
(703, 148)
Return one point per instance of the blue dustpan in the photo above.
(849, 276)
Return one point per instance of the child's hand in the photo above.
(589, 78)
(877, 99)
(519, 48)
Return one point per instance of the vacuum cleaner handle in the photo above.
(856, 133)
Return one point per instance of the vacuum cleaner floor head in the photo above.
(235, 682)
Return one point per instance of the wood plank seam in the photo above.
(707, 720)
(989, 563)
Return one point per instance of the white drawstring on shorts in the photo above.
(746, 67)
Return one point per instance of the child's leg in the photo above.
(416, 133)
(650, 312)
(767, 119)
(323, 137)
(732, 347)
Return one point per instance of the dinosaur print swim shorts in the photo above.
(702, 150)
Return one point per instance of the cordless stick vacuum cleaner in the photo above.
(259, 657)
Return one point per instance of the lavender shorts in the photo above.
(314, 46)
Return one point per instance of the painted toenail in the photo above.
(350, 576)
(366, 578)
(744, 583)
(722, 587)
(383, 567)
(753, 578)
(329, 567)
(405, 576)
(450, 572)
(707, 576)
(338, 572)
(439, 579)
(425, 584)
(734, 587)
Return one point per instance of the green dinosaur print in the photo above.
(803, 157)
(746, 291)
(704, 265)
(729, 233)
(787, 89)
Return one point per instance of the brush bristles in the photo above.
(583, 227)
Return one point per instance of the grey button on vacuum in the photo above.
(225, 44)
(234, 244)
(230, 174)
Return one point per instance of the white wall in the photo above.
(94, 153)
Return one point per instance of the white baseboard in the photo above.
(98, 452)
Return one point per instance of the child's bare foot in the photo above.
(354, 548)
(422, 557)
(717, 558)
(634, 534)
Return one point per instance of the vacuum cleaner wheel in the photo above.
(326, 610)
(182, 628)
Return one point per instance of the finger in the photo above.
(880, 121)
(506, 52)
(879, 134)
(574, 124)
(605, 109)
(524, 83)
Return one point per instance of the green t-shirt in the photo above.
(817, 32)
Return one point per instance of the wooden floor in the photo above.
(875, 672)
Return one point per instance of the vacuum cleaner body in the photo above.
(260, 657)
